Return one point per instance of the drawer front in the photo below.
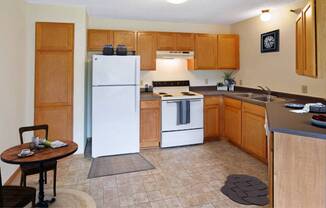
(150, 104)
(232, 102)
(212, 100)
(253, 109)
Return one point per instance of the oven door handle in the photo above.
(177, 101)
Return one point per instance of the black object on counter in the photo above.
(108, 50)
(122, 50)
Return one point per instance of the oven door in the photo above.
(169, 115)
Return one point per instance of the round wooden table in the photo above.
(40, 156)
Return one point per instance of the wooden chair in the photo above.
(16, 196)
(31, 169)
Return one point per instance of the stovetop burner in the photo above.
(188, 93)
(166, 95)
(162, 93)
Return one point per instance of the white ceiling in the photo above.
(196, 11)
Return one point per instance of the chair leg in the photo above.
(21, 179)
(46, 177)
(33, 201)
(25, 179)
(54, 182)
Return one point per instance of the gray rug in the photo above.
(119, 164)
(246, 190)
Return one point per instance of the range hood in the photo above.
(174, 54)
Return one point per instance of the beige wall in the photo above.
(167, 69)
(50, 13)
(12, 78)
(276, 70)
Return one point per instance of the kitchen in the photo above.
(180, 64)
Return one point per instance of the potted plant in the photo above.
(229, 80)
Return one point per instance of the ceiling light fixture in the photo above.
(176, 1)
(265, 15)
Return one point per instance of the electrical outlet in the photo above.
(240, 82)
(304, 89)
(206, 81)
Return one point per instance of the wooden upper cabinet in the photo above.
(127, 38)
(299, 46)
(185, 41)
(97, 39)
(309, 22)
(58, 40)
(306, 55)
(146, 48)
(166, 41)
(228, 52)
(205, 51)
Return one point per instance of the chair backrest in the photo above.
(43, 127)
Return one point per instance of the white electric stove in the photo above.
(182, 114)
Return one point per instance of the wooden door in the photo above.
(146, 48)
(150, 124)
(299, 46)
(185, 41)
(205, 51)
(54, 78)
(166, 41)
(127, 38)
(228, 52)
(253, 130)
(212, 118)
(97, 39)
(232, 120)
(309, 22)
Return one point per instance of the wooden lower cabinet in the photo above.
(299, 171)
(254, 138)
(212, 118)
(232, 120)
(150, 123)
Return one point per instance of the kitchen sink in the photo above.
(266, 98)
(247, 95)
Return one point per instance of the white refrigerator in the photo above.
(115, 105)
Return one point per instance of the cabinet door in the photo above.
(185, 42)
(232, 120)
(166, 41)
(228, 52)
(126, 38)
(150, 124)
(254, 135)
(146, 48)
(299, 46)
(54, 57)
(205, 51)
(97, 39)
(310, 39)
(212, 122)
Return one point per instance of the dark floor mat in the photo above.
(247, 190)
(118, 164)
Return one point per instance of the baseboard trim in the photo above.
(12, 177)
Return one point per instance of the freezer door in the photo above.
(116, 70)
(115, 120)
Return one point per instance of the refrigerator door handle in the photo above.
(137, 93)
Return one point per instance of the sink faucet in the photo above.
(267, 90)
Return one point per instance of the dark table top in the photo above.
(46, 154)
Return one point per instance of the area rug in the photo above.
(70, 198)
(247, 190)
(113, 165)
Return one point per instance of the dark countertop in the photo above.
(280, 119)
(149, 96)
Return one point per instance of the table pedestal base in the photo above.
(41, 202)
